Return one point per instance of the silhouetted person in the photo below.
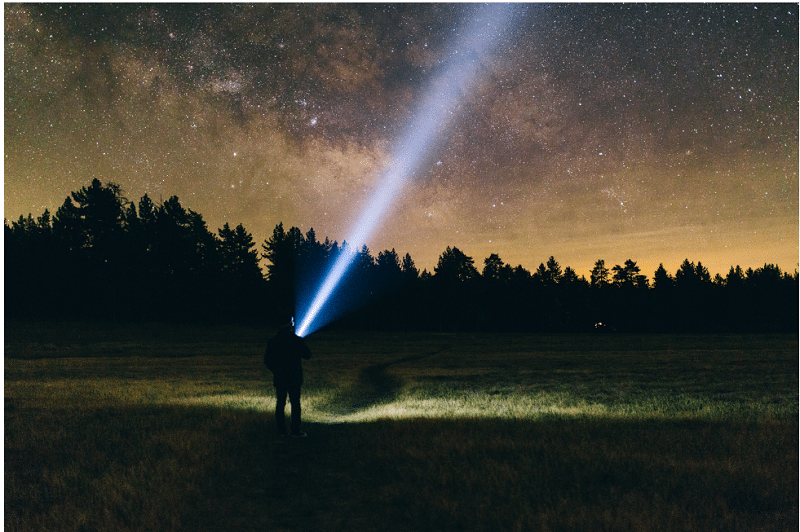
(283, 357)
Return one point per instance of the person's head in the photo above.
(287, 326)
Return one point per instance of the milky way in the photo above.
(646, 132)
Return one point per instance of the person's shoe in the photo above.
(299, 434)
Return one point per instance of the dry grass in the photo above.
(117, 428)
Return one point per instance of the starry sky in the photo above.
(654, 132)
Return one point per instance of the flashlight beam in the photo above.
(433, 117)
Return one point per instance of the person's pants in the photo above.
(294, 397)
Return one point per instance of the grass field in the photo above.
(170, 427)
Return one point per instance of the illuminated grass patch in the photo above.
(438, 376)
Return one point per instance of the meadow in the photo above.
(170, 427)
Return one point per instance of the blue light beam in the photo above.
(433, 117)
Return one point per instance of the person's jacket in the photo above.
(284, 355)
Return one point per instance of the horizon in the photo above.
(478, 260)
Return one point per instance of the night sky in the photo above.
(647, 132)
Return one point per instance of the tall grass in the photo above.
(158, 427)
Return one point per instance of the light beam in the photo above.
(433, 117)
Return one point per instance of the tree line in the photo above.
(103, 256)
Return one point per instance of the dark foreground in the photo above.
(110, 438)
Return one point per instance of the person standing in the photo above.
(283, 356)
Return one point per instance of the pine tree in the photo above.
(599, 276)
(662, 280)
(410, 271)
(492, 266)
(455, 266)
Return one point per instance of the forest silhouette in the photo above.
(102, 256)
